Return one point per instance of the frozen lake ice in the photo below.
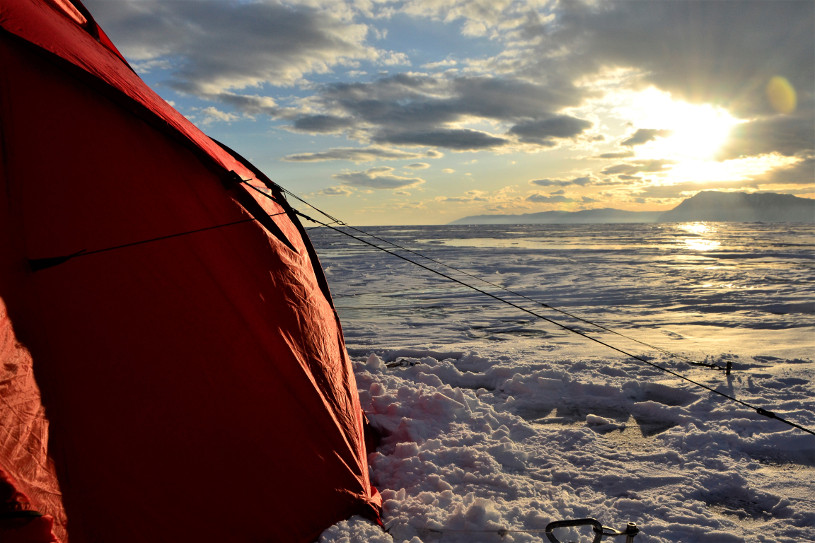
(495, 422)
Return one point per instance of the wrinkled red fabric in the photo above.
(19, 522)
(195, 379)
(23, 442)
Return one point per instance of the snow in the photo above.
(494, 423)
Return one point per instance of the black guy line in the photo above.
(47, 262)
(509, 291)
(759, 410)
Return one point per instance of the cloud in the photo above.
(694, 49)
(644, 135)
(510, 98)
(620, 154)
(321, 123)
(777, 133)
(446, 63)
(683, 190)
(476, 17)
(581, 181)
(802, 173)
(406, 100)
(456, 139)
(249, 104)
(648, 166)
(360, 154)
(255, 42)
(378, 178)
(471, 196)
(418, 166)
(548, 199)
(549, 182)
(544, 131)
(499, 201)
(335, 191)
(213, 114)
(434, 110)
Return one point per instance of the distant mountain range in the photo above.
(705, 206)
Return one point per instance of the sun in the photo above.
(684, 139)
(683, 132)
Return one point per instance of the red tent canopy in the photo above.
(183, 339)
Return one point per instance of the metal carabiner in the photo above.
(630, 531)
(598, 528)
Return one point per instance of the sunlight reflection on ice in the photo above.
(698, 228)
(643, 276)
(700, 244)
(701, 229)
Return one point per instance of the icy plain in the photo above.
(495, 422)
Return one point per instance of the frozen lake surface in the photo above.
(496, 422)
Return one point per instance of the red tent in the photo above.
(183, 339)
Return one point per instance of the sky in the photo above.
(426, 111)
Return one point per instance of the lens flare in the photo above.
(781, 94)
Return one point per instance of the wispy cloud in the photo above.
(457, 139)
(335, 191)
(631, 168)
(469, 197)
(212, 114)
(644, 135)
(546, 131)
(581, 181)
(322, 123)
(616, 155)
(378, 178)
(539, 198)
(358, 154)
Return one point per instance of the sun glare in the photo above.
(686, 132)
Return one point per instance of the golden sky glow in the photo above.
(694, 132)
(425, 111)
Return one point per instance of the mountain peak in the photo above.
(704, 206)
(743, 207)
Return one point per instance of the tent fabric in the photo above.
(197, 385)
(24, 446)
